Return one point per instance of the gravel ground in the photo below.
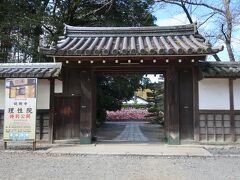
(224, 150)
(27, 165)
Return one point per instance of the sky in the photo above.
(174, 15)
(154, 78)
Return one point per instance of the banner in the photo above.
(20, 109)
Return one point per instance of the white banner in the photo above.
(20, 109)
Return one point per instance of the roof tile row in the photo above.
(39, 70)
(220, 69)
(131, 41)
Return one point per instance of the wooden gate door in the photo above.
(186, 104)
(67, 118)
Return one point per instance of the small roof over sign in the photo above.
(130, 41)
(38, 70)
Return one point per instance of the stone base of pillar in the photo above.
(173, 139)
(85, 136)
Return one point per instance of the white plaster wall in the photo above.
(2, 94)
(236, 94)
(43, 94)
(214, 94)
(58, 86)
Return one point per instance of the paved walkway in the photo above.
(132, 133)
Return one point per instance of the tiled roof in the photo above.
(220, 69)
(39, 70)
(117, 41)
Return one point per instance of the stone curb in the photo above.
(200, 150)
(47, 152)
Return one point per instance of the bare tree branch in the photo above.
(186, 12)
(209, 17)
(106, 3)
(224, 12)
(222, 30)
(216, 57)
(193, 3)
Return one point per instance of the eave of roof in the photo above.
(38, 70)
(220, 69)
(130, 41)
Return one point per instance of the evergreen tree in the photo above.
(23, 22)
(156, 102)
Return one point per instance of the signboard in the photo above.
(20, 109)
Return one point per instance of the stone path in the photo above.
(131, 133)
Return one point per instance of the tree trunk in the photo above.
(230, 51)
(228, 34)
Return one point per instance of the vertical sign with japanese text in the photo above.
(20, 109)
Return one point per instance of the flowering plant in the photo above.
(128, 114)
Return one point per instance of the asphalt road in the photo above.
(27, 165)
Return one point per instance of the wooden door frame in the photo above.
(171, 100)
(171, 91)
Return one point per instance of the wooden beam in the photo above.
(94, 101)
(231, 96)
(166, 110)
(222, 125)
(4, 145)
(173, 106)
(196, 104)
(87, 107)
(51, 119)
(214, 128)
(40, 126)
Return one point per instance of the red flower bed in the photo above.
(127, 114)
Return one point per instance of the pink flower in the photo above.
(128, 114)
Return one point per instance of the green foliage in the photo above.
(156, 101)
(20, 29)
(22, 22)
(112, 90)
(135, 106)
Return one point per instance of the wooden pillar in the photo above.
(40, 125)
(51, 107)
(173, 106)
(196, 104)
(94, 101)
(4, 145)
(87, 79)
(232, 122)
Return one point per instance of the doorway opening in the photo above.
(131, 108)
